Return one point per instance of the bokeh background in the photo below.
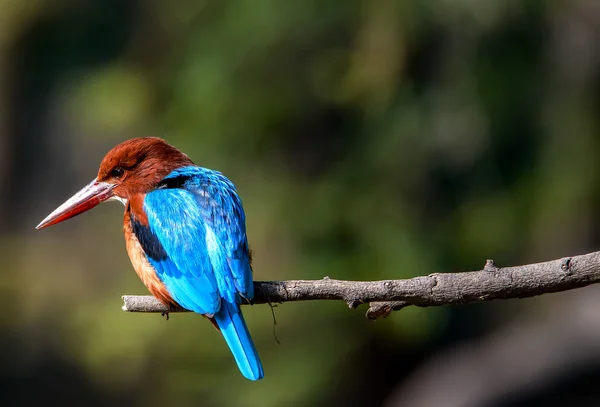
(368, 140)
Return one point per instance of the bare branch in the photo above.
(385, 296)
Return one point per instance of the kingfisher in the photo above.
(185, 234)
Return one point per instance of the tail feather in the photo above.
(233, 327)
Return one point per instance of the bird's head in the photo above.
(133, 167)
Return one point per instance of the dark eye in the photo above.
(117, 172)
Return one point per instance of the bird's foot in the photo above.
(165, 314)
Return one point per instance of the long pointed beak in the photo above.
(91, 195)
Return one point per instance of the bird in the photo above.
(185, 234)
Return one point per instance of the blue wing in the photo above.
(185, 268)
(222, 213)
(198, 218)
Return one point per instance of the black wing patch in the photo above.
(148, 240)
(173, 182)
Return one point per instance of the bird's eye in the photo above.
(117, 172)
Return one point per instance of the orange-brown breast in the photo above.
(142, 266)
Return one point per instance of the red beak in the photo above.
(91, 195)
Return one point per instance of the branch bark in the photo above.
(436, 289)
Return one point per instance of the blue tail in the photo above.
(234, 330)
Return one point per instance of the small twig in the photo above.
(436, 289)
(272, 306)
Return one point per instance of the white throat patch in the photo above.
(118, 199)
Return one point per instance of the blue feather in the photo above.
(234, 330)
(187, 271)
(222, 212)
(199, 222)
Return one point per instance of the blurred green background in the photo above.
(368, 140)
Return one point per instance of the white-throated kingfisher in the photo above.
(185, 233)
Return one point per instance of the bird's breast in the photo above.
(142, 266)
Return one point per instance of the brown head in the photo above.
(133, 167)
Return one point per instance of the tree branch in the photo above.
(385, 296)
